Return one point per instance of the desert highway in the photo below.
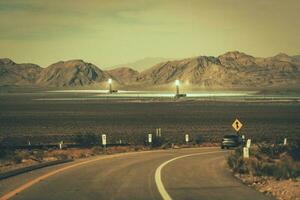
(170, 174)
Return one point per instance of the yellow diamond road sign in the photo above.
(237, 125)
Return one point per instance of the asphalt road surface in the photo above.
(172, 174)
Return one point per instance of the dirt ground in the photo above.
(280, 189)
(131, 121)
(28, 158)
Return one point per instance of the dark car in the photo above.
(231, 141)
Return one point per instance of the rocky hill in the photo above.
(71, 73)
(230, 70)
(12, 73)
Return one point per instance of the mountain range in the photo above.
(231, 70)
(141, 64)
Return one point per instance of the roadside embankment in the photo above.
(273, 169)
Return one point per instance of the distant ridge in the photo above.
(233, 69)
(297, 58)
(142, 64)
(124, 75)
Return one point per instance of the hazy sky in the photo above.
(108, 32)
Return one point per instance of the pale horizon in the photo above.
(110, 33)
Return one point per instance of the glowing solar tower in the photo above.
(178, 95)
(110, 91)
(177, 83)
(110, 83)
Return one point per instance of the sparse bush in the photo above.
(286, 168)
(3, 152)
(273, 151)
(88, 139)
(253, 166)
(167, 145)
(294, 150)
(236, 162)
(267, 160)
(200, 139)
(158, 141)
(61, 156)
(97, 150)
(39, 155)
(16, 158)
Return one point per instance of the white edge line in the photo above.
(160, 186)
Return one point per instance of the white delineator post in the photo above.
(150, 138)
(248, 144)
(61, 145)
(187, 138)
(245, 152)
(104, 140)
(247, 149)
(285, 141)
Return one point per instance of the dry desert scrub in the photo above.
(273, 169)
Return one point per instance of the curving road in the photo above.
(172, 174)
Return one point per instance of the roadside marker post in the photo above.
(61, 145)
(285, 141)
(149, 138)
(158, 132)
(104, 141)
(187, 138)
(248, 144)
(245, 152)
